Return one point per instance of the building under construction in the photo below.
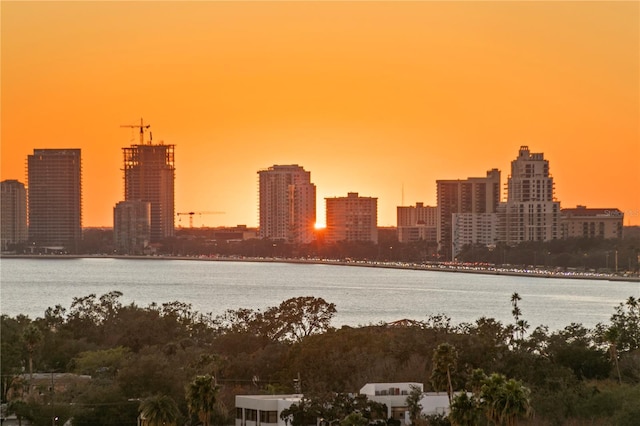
(149, 175)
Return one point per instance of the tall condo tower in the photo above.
(469, 196)
(287, 204)
(149, 175)
(531, 212)
(55, 198)
(13, 229)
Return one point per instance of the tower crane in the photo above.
(142, 128)
(191, 214)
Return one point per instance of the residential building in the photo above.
(55, 199)
(287, 204)
(352, 218)
(417, 223)
(474, 228)
(132, 226)
(471, 195)
(263, 410)
(149, 176)
(591, 223)
(531, 212)
(394, 396)
(13, 227)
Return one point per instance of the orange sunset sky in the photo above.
(380, 98)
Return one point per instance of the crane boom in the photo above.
(191, 214)
(142, 128)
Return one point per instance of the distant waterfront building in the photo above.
(352, 218)
(149, 175)
(55, 199)
(132, 226)
(287, 204)
(13, 229)
(474, 228)
(234, 233)
(417, 223)
(472, 195)
(591, 223)
(530, 212)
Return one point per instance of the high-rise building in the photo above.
(472, 195)
(55, 198)
(132, 226)
(530, 212)
(287, 204)
(13, 229)
(416, 223)
(352, 218)
(149, 176)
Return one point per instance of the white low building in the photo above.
(256, 410)
(394, 396)
(265, 410)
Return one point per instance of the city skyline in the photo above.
(379, 98)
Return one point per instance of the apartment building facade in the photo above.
(55, 199)
(416, 223)
(287, 204)
(13, 227)
(531, 212)
(583, 222)
(476, 195)
(352, 218)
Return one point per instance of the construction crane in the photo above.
(191, 214)
(142, 127)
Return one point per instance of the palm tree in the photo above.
(201, 397)
(515, 402)
(159, 410)
(464, 410)
(505, 401)
(490, 395)
(445, 358)
(32, 336)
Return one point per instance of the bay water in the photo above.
(362, 295)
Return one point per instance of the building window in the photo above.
(251, 415)
(268, 417)
(239, 413)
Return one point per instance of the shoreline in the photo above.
(436, 267)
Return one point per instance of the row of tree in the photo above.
(195, 363)
(612, 255)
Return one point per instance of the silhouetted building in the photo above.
(591, 223)
(287, 207)
(352, 218)
(472, 195)
(530, 212)
(149, 176)
(13, 229)
(55, 199)
(417, 223)
(132, 226)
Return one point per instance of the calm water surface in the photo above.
(362, 295)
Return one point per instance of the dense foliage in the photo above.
(180, 367)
